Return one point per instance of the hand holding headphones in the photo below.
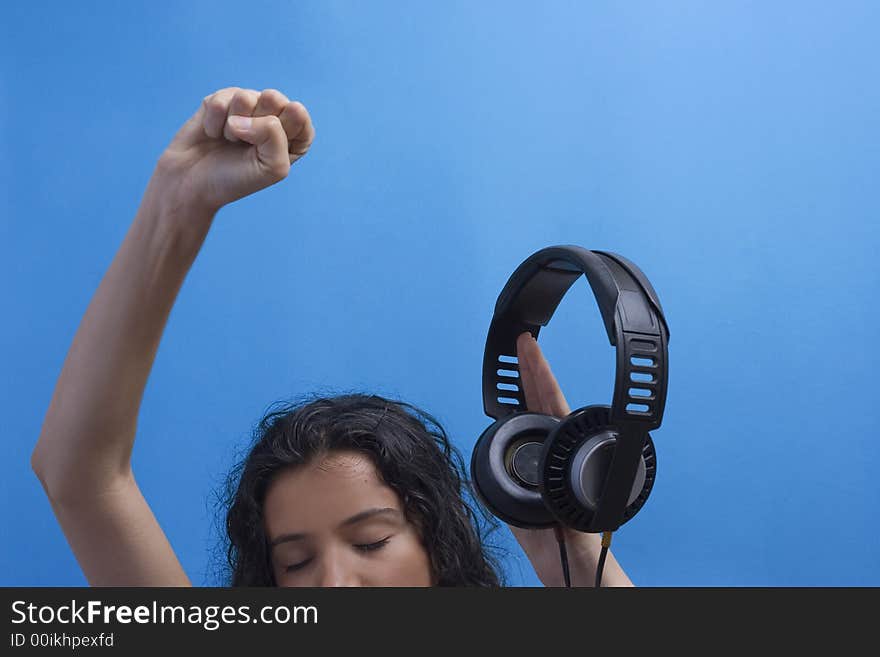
(591, 469)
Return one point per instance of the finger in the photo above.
(271, 102)
(526, 376)
(266, 133)
(216, 111)
(243, 103)
(294, 117)
(549, 391)
(300, 131)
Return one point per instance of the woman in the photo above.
(353, 490)
(334, 492)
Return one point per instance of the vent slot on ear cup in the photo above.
(636, 393)
(642, 370)
(508, 381)
(650, 457)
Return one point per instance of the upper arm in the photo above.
(116, 538)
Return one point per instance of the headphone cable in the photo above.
(563, 554)
(606, 543)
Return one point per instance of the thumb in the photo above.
(267, 134)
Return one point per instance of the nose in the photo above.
(334, 570)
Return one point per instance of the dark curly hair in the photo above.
(412, 454)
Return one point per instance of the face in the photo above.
(333, 522)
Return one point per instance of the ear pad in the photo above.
(505, 469)
(575, 462)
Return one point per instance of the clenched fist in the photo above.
(237, 143)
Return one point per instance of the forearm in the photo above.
(583, 551)
(88, 433)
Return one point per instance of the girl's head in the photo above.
(353, 490)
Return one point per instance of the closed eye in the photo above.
(369, 547)
(297, 566)
(363, 547)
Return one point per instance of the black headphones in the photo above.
(594, 469)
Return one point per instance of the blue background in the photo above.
(729, 149)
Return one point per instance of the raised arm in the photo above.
(83, 455)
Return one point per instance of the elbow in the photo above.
(38, 466)
(67, 480)
(49, 472)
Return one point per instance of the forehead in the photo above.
(321, 494)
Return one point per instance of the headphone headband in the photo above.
(555, 262)
(631, 313)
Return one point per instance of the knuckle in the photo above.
(215, 103)
(280, 169)
(299, 110)
(240, 100)
(247, 95)
(225, 92)
(273, 94)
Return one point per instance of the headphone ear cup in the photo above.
(505, 469)
(575, 462)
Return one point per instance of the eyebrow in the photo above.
(353, 520)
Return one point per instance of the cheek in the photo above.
(407, 564)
